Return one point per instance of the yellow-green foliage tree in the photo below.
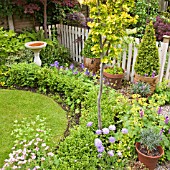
(110, 20)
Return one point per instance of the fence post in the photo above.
(163, 55)
(167, 76)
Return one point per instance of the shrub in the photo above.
(146, 11)
(162, 27)
(54, 51)
(147, 60)
(9, 44)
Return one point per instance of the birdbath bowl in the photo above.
(36, 47)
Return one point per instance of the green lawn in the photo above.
(15, 104)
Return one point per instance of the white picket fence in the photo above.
(74, 37)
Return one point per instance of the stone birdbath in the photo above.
(36, 47)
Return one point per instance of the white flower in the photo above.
(43, 145)
(50, 154)
(42, 159)
(119, 153)
(14, 167)
(47, 147)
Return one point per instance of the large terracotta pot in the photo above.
(152, 81)
(149, 161)
(113, 80)
(93, 64)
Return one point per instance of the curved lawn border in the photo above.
(17, 104)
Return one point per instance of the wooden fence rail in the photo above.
(73, 38)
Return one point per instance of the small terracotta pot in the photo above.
(149, 161)
(93, 64)
(152, 81)
(113, 80)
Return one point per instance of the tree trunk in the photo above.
(99, 97)
(45, 18)
(101, 79)
(10, 22)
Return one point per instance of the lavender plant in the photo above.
(150, 139)
(140, 88)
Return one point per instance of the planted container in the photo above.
(114, 76)
(149, 161)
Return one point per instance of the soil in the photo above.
(145, 151)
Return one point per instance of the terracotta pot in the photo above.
(113, 80)
(149, 161)
(152, 81)
(93, 64)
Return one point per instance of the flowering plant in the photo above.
(106, 145)
(30, 150)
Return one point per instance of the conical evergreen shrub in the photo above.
(147, 61)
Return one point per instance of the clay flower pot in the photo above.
(149, 161)
(113, 80)
(152, 81)
(93, 64)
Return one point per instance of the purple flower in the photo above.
(112, 127)
(159, 110)
(112, 139)
(87, 73)
(98, 132)
(169, 131)
(100, 149)
(153, 74)
(61, 67)
(124, 131)
(66, 68)
(93, 74)
(161, 131)
(82, 65)
(76, 72)
(110, 153)
(141, 112)
(146, 75)
(166, 120)
(89, 124)
(72, 66)
(56, 64)
(98, 142)
(105, 131)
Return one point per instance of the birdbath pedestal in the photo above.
(36, 47)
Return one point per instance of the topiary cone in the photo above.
(147, 59)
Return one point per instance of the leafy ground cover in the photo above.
(16, 105)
